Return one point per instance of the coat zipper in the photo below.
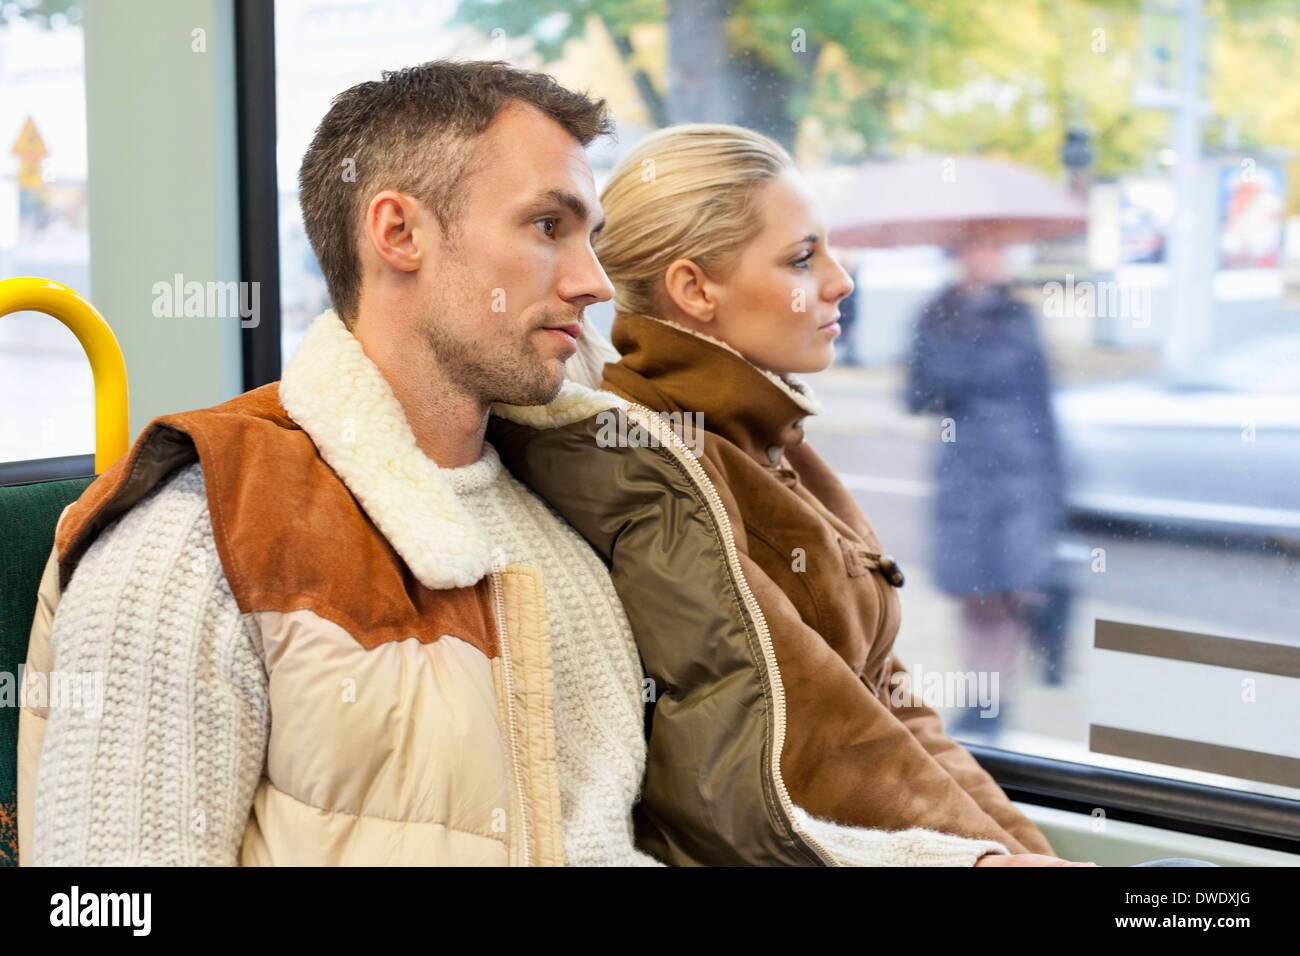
(498, 611)
(657, 427)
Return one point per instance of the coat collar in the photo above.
(338, 396)
(669, 367)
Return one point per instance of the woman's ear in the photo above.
(689, 290)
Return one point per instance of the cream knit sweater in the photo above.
(186, 710)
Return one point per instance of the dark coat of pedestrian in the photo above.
(976, 360)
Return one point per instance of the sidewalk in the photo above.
(929, 637)
(1047, 721)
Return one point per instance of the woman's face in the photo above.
(780, 305)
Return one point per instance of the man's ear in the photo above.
(398, 231)
(688, 288)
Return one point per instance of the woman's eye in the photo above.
(802, 263)
(551, 223)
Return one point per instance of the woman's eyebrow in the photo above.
(811, 237)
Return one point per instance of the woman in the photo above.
(976, 361)
(724, 293)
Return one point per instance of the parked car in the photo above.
(1216, 448)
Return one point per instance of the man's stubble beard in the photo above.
(513, 376)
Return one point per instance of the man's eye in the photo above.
(550, 222)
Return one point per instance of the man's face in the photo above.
(520, 268)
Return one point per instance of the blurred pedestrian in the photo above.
(976, 360)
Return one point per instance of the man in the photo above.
(335, 629)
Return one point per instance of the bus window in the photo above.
(43, 231)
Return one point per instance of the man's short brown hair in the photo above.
(413, 131)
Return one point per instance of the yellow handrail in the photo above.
(112, 431)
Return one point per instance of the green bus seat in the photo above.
(28, 514)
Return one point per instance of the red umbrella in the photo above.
(944, 200)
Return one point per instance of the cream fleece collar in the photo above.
(338, 396)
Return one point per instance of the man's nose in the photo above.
(588, 280)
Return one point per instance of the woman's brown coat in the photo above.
(812, 560)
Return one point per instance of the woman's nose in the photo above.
(842, 285)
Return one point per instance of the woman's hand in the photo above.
(1024, 859)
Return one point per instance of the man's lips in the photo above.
(569, 333)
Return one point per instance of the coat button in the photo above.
(889, 567)
(774, 453)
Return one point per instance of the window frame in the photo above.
(1239, 816)
(259, 219)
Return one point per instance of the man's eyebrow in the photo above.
(569, 201)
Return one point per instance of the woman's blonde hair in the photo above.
(684, 192)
